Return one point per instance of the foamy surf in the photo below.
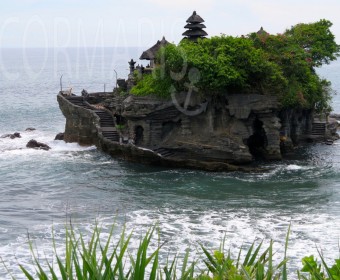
(185, 230)
(293, 167)
(17, 146)
(274, 172)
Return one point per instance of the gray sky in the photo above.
(96, 23)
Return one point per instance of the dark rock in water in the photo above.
(329, 142)
(17, 134)
(12, 136)
(30, 129)
(59, 136)
(33, 144)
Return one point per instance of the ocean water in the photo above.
(41, 191)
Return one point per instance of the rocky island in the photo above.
(213, 104)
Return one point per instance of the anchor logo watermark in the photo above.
(184, 106)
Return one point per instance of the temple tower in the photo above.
(195, 28)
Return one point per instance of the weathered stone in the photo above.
(231, 131)
(33, 144)
(241, 105)
(59, 136)
(30, 129)
(296, 124)
(286, 145)
(12, 136)
(80, 123)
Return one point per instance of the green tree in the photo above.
(298, 51)
(317, 40)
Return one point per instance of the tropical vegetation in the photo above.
(282, 64)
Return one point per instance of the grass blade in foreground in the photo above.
(96, 260)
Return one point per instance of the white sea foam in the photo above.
(17, 147)
(295, 167)
(187, 229)
(61, 146)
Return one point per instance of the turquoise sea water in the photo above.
(40, 190)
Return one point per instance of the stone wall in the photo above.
(81, 125)
(296, 124)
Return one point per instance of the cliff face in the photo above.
(296, 124)
(84, 126)
(214, 134)
(81, 125)
(232, 129)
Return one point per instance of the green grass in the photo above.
(95, 257)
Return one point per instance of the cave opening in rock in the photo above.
(257, 142)
(139, 131)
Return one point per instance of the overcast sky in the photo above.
(96, 23)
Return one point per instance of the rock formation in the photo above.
(29, 129)
(221, 133)
(33, 144)
(211, 130)
(59, 136)
(12, 136)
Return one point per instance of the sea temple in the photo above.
(189, 129)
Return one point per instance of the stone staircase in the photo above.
(318, 130)
(106, 119)
(109, 130)
(164, 152)
(78, 101)
(107, 124)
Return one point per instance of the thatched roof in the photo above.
(151, 53)
(195, 18)
(195, 26)
(195, 33)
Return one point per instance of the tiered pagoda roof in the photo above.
(195, 27)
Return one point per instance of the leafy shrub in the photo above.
(281, 64)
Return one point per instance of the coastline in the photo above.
(85, 126)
